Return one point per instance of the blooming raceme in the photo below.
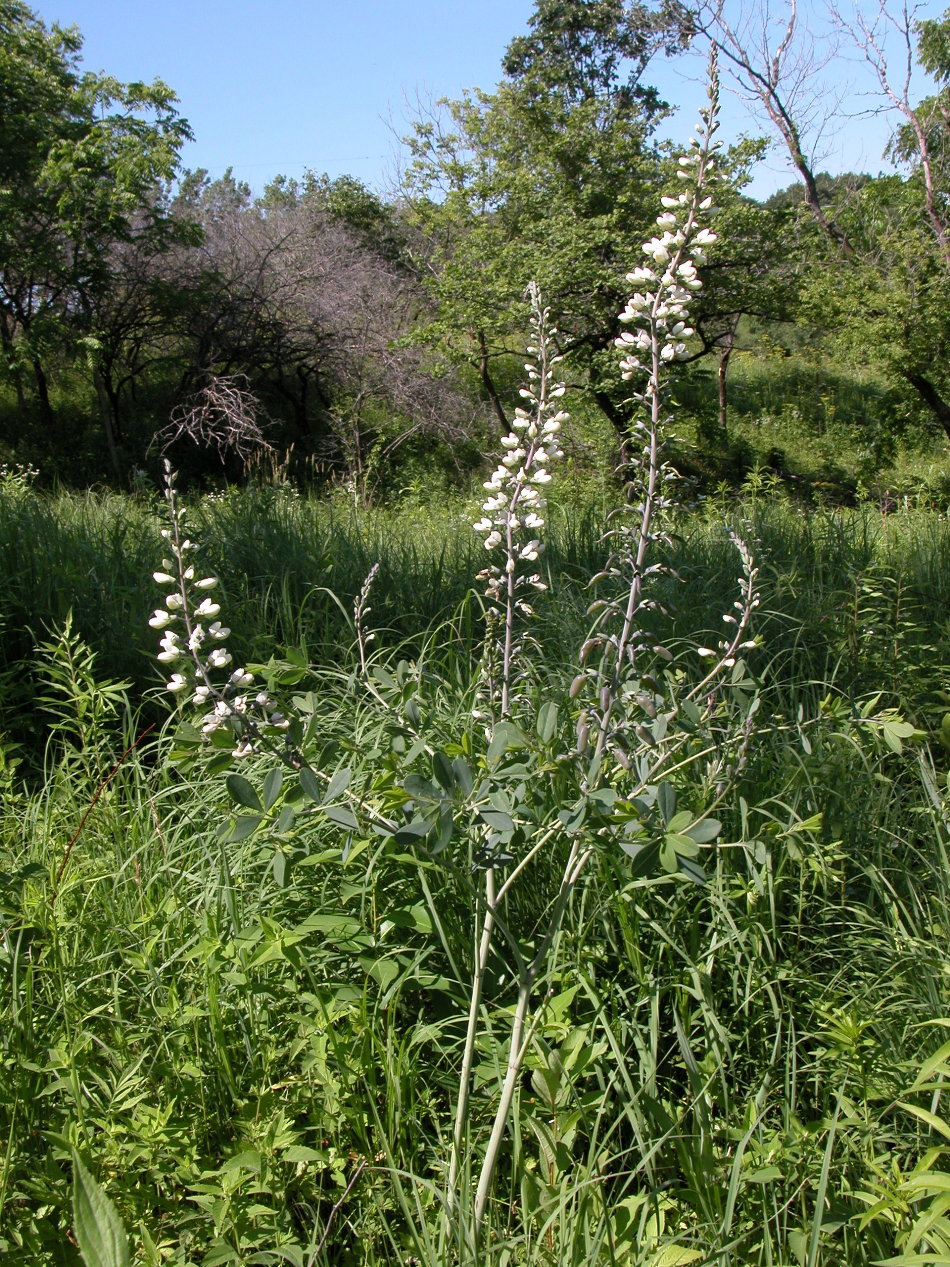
(196, 650)
(512, 515)
(669, 279)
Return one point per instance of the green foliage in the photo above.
(82, 168)
(226, 1044)
(552, 178)
(99, 1231)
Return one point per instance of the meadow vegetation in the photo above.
(555, 873)
(254, 1042)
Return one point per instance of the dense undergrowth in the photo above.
(254, 1041)
(456, 925)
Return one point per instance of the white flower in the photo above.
(207, 608)
(163, 578)
(170, 649)
(160, 619)
(177, 682)
(217, 630)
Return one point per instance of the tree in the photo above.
(879, 261)
(83, 164)
(552, 178)
(302, 293)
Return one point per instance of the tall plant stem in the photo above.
(520, 1033)
(482, 949)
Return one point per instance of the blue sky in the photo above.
(330, 85)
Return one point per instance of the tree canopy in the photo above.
(353, 325)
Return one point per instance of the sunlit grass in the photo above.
(718, 1071)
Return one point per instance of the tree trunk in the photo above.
(488, 382)
(932, 398)
(108, 413)
(47, 417)
(726, 347)
(6, 338)
(618, 420)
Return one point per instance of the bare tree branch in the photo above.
(869, 36)
(221, 415)
(783, 78)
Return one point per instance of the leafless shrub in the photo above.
(221, 415)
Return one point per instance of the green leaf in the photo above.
(684, 846)
(936, 1062)
(497, 820)
(442, 769)
(936, 1124)
(704, 831)
(676, 1256)
(416, 917)
(385, 971)
(666, 801)
(273, 782)
(463, 776)
(546, 724)
(692, 870)
(412, 832)
(338, 784)
(244, 825)
(342, 816)
(310, 785)
(223, 761)
(102, 1238)
(573, 818)
(299, 1152)
(505, 735)
(334, 925)
(668, 859)
(421, 789)
(242, 792)
(280, 867)
(286, 819)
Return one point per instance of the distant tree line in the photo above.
(143, 307)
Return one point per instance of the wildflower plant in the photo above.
(626, 710)
(193, 645)
(512, 513)
(558, 781)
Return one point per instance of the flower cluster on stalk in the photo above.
(193, 643)
(622, 684)
(669, 277)
(512, 515)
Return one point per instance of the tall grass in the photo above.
(252, 1027)
(857, 593)
(259, 1067)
